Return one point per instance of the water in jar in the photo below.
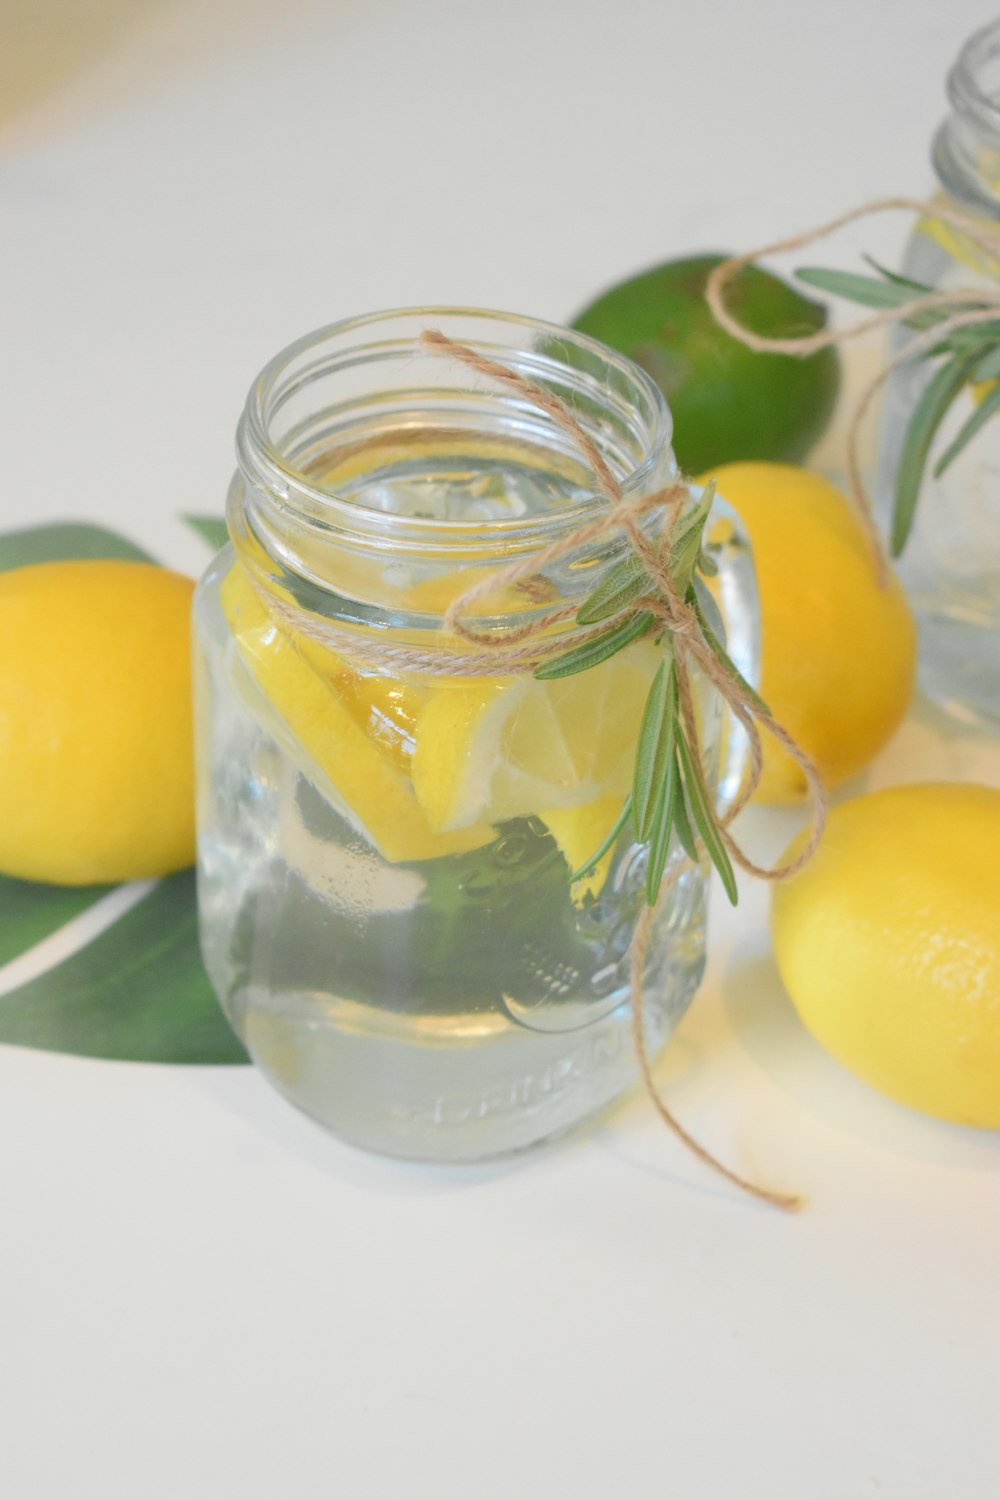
(442, 997)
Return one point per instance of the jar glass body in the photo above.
(417, 971)
(950, 566)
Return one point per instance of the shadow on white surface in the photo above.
(767, 1026)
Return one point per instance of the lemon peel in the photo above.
(96, 756)
(889, 946)
(494, 749)
(328, 710)
(838, 648)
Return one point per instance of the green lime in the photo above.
(728, 403)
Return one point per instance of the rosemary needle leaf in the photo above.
(988, 367)
(988, 407)
(606, 844)
(654, 748)
(686, 542)
(869, 291)
(597, 650)
(915, 288)
(623, 583)
(659, 836)
(682, 823)
(704, 819)
(719, 651)
(940, 391)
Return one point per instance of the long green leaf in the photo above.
(659, 835)
(686, 541)
(719, 651)
(65, 541)
(915, 288)
(592, 652)
(682, 823)
(654, 748)
(871, 292)
(212, 528)
(940, 391)
(704, 819)
(987, 408)
(30, 912)
(623, 583)
(607, 843)
(988, 366)
(138, 992)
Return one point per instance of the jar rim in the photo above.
(270, 470)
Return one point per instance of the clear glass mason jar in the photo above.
(385, 851)
(950, 566)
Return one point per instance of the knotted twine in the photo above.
(983, 307)
(522, 647)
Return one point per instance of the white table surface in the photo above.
(201, 1294)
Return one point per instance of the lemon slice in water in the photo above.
(354, 729)
(486, 750)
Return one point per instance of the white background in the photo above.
(201, 1294)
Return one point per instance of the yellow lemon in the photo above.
(838, 647)
(497, 748)
(357, 730)
(96, 761)
(889, 945)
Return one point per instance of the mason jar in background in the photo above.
(951, 562)
(385, 848)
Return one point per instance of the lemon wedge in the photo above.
(579, 831)
(356, 729)
(486, 750)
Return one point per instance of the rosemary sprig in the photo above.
(668, 795)
(969, 355)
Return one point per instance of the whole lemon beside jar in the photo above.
(96, 756)
(888, 942)
(838, 644)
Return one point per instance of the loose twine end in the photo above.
(532, 642)
(984, 303)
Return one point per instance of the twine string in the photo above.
(983, 307)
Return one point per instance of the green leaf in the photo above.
(915, 288)
(64, 541)
(30, 912)
(704, 819)
(682, 823)
(928, 414)
(869, 291)
(212, 528)
(686, 541)
(623, 583)
(137, 989)
(137, 992)
(988, 367)
(719, 651)
(987, 408)
(607, 843)
(659, 837)
(654, 748)
(592, 652)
